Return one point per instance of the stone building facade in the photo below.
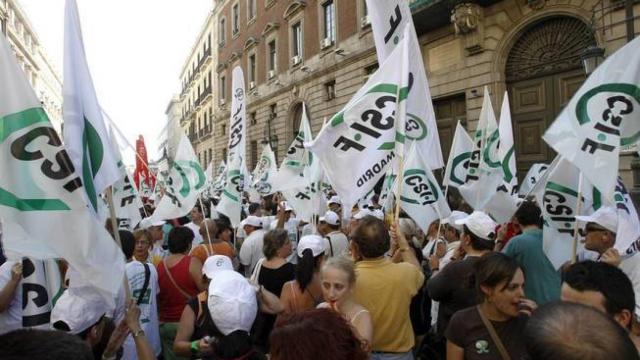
(32, 58)
(320, 52)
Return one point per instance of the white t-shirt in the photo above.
(10, 319)
(339, 244)
(251, 251)
(197, 238)
(148, 307)
(308, 229)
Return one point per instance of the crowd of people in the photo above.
(370, 287)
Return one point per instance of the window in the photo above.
(330, 90)
(210, 153)
(224, 154)
(251, 9)
(273, 113)
(222, 31)
(252, 70)
(296, 32)
(236, 18)
(223, 130)
(272, 57)
(328, 10)
(254, 154)
(253, 119)
(222, 90)
(369, 70)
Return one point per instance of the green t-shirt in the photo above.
(541, 281)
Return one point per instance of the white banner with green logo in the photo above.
(484, 173)
(231, 197)
(389, 19)
(309, 200)
(297, 159)
(358, 144)
(602, 116)
(221, 176)
(421, 198)
(85, 133)
(459, 155)
(126, 198)
(185, 183)
(238, 122)
(535, 173)
(42, 202)
(265, 172)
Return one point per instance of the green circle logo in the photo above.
(415, 128)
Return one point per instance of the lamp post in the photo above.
(591, 58)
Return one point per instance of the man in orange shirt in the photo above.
(208, 231)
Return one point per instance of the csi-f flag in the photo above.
(421, 197)
(231, 198)
(484, 173)
(85, 133)
(185, 183)
(459, 155)
(389, 19)
(297, 159)
(126, 199)
(42, 202)
(238, 122)
(535, 173)
(603, 115)
(219, 182)
(358, 144)
(265, 172)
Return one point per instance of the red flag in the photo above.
(143, 181)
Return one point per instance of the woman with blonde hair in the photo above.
(338, 276)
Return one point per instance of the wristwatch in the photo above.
(137, 333)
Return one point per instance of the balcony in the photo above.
(429, 15)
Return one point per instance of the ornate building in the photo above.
(33, 60)
(319, 52)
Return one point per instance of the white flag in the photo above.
(291, 173)
(358, 145)
(238, 122)
(221, 177)
(458, 162)
(231, 198)
(389, 19)
(421, 196)
(603, 115)
(42, 284)
(85, 133)
(185, 183)
(484, 174)
(42, 203)
(265, 172)
(535, 173)
(308, 200)
(559, 203)
(126, 198)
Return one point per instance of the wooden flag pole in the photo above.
(116, 235)
(574, 255)
(205, 225)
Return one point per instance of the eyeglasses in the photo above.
(591, 228)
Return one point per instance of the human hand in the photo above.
(611, 257)
(132, 316)
(397, 236)
(459, 254)
(526, 306)
(16, 271)
(434, 262)
(204, 346)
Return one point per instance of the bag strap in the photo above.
(184, 293)
(256, 271)
(145, 286)
(330, 244)
(494, 336)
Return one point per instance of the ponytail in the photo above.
(306, 267)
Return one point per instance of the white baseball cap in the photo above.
(362, 214)
(232, 302)
(286, 206)
(330, 218)
(455, 216)
(606, 217)
(313, 242)
(480, 224)
(150, 222)
(79, 309)
(335, 199)
(216, 263)
(378, 214)
(252, 220)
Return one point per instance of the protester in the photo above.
(336, 242)
(254, 209)
(450, 286)
(286, 220)
(600, 236)
(130, 324)
(10, 296)
(603, 287)
(197, 216)
(385, 288)
(543, 281)
(142, 248)
(81, 312)
(452, 233)
(435, 245)
(211, 245)
(335, 204)
(155, 229)
(143, 285)
(565, 331)
(494, 329)
(338, 277)
(42, 345)
(272, 272)
(314, 335)
(305, 292)
(180, 279)
(251, 249)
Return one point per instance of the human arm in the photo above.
(182, 346)
(130, 324)
(454, 352)
(403, 246)
(195, 271)
(8, 291)
(269, 302)
(364, 327)
(286, 297)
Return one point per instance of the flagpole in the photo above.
(116, 236)
(575, 225)
(206, 227)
